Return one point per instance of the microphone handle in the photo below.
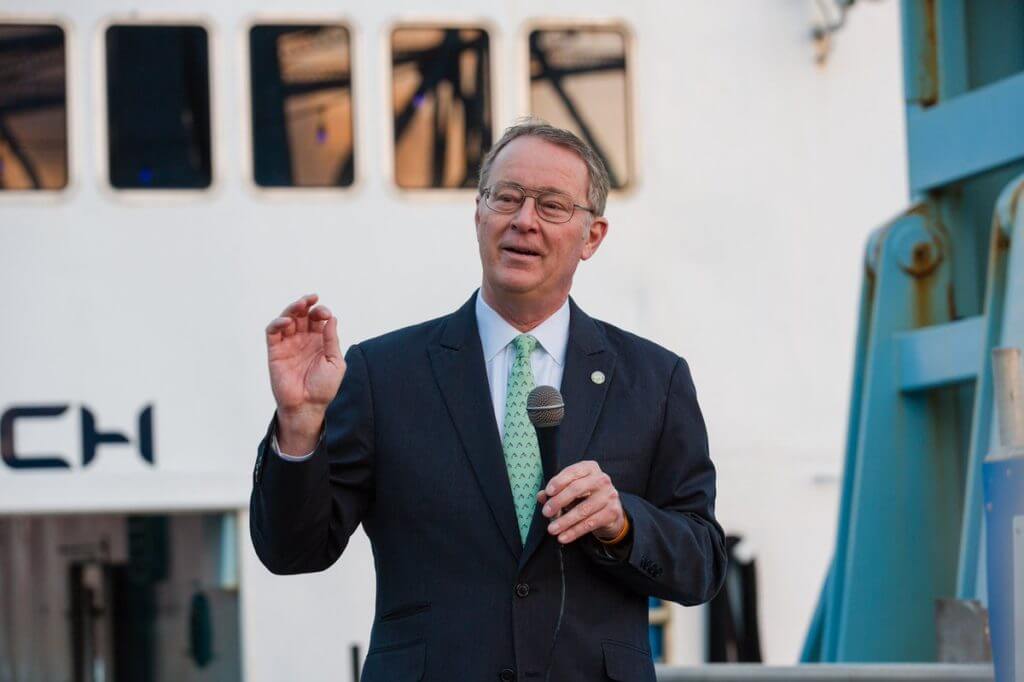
(547, 438)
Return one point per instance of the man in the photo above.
(425, 445)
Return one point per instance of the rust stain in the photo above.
(920, 210)
(870, 282)
(928, 78)
(925, 258)
(1017, 194)
(924, 316)
(925, 273)
(1002, 240)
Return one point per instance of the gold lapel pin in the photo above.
(597, 377)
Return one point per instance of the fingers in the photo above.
(319, 314)
(279, 328)
(581, 499)
(572, 527)
(299, 311)
(300, 306)
(298, 317)
(563, 501)
(569, 484)
(316, 319)
(585, 508)
(332, 349)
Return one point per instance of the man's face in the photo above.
(522, 254)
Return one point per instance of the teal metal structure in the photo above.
(943, 285)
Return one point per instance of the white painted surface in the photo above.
(759, 176)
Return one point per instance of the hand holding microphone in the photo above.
(581, 498)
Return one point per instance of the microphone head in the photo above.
(545, 407)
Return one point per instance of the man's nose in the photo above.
(526, 216)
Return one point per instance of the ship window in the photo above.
(158, 107)
(302, 133)
(578, 81)
(33, 107)
(441, 101)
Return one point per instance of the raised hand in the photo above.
(306, 369)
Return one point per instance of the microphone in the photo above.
(546, 409)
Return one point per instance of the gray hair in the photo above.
(598, 183)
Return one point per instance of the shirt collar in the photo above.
(496, 333)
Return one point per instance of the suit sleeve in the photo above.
(302, 513)
(677, 548)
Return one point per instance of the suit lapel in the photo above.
(587, 353)
(458, 362)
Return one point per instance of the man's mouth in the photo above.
(521, 250)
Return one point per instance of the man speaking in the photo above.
(422, 435)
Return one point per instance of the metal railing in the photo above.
(898, 672)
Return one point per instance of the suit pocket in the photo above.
(404, 612)
(398, 663)
(626, 663)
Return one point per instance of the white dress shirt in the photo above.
(496, 338)
(547, 359)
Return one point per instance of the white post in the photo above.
(1009, 396)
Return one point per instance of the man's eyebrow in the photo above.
(556, 190)
(546, 188)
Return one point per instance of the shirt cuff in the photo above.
(293, 458)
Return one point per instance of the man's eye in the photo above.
(555, 206)
(506, 196)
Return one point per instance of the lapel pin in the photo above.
(597, 377)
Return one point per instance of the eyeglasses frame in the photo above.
(535, 193)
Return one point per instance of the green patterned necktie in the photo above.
(522, 452)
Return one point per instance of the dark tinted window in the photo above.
(158, 107)
(301, 105)
(578, 81)
(33, 114)
(441, 98)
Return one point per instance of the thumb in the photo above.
(332, 349)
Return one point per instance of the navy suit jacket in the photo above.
(411, 450)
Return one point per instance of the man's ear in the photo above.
(593, 237)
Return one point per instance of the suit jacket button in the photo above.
(507, 675)
(522, 589)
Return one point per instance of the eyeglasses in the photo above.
(507, 197)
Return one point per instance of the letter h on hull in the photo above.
(92, 437)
